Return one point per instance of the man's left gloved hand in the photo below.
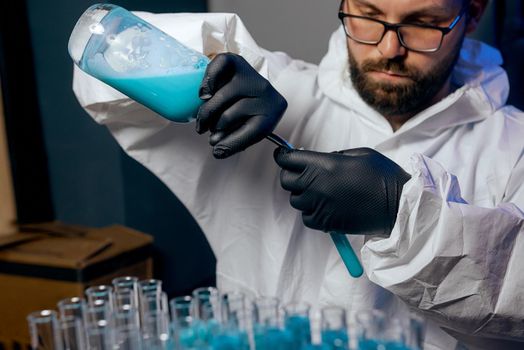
(241, 107)
(355, 191)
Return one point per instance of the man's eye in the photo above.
(421, 23)
(367, 12)
(426, 22)
(370, 14)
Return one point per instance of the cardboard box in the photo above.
(45, 263)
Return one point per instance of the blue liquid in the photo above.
(368, 344)
(272, 338)
(170, 90)
(174, 97)
(335, 339)
(198, 336)
(230, 340)
(298, 326)
(396, 346)
(187, 338)
(316, 347)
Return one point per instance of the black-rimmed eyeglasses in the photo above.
(414, 37)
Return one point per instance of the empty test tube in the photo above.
(44, 330)
(101, 294)
(72, 313)
(99, 326)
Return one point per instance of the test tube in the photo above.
(234, 321)
(44, 330)
(72, 312)
(124, 298)
(334, 328)
(267, 312)
(206, 314)
(181, 307)
(182, 322)
(150, 286)
(394, 334)
(152, 299)
(97, 295)
(232, 309)
(99, 326)
(127, 331)
(129, 283)
(126, 319)
(296, 321)
(416, 333)
(155, 321)
(370, 329)
(205, 303)
(268, 335)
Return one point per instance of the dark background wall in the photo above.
(69, 168)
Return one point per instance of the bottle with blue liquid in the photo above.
(138, 59)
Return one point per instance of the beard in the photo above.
(407, 98)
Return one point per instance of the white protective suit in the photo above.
(456, 250)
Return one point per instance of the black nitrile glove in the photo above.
(241, 107)
(354, 191)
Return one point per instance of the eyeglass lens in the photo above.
(368, 31)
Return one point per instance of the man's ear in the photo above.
(475, 11)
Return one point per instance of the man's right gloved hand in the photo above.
(353, 191)
(241, 107)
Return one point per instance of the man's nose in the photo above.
(390, 46)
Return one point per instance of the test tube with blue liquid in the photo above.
(234, 321)
(334, 328)
(182, 325)
(371, 324)
(268, 333)
(416, 332)
(206, 314)
(376, 331)
(297, 322)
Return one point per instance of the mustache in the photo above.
(390, 65)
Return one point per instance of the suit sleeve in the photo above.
(457, 263)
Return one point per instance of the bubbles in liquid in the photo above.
(96, 28)
(128, 50)
(138, 49)
(111, 38)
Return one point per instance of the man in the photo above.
(408, 147)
